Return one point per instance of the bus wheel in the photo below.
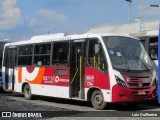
(97, 100)
(27, 92)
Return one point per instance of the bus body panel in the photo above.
(94, 77)
(45, 79)
(97, 79)
(48, 90)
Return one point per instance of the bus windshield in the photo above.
(127, 53)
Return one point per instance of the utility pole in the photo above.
(129, 5)
(155, 7)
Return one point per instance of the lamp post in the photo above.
(129, 4)
(155, 6)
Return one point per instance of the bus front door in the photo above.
(77, 70)
(10, 66)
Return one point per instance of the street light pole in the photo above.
(155, 6)
(129, 4)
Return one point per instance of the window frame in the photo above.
(54, 52)
(18, 55)
(35, 55)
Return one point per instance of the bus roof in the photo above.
(62, 37)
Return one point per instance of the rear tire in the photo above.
(97, 100)
(27, 92)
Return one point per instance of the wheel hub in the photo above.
(98, 99)
(27, 92)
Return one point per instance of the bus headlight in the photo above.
(120, 82)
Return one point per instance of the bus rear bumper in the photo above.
(123, 94)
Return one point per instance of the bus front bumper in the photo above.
(124, 94)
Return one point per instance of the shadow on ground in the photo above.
(147, 105)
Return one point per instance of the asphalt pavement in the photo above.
(61, 109)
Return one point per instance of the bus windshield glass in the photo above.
(127, 53)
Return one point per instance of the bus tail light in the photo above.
(120, 82)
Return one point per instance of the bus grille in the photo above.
(139, 82)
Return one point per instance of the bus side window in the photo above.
(42, 54)
(60, 54)
(96, 57)
(25, 55)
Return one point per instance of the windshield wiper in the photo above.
(149, 68)
(137, 58)
(123, 58)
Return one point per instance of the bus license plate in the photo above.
(141, 92)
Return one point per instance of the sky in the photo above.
(22, 19)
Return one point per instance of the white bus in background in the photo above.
(2, 43)
(101, 68)
(150, 41)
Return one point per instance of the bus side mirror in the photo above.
(97, 48)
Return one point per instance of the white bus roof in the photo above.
(62, 37)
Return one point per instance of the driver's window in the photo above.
(96, 57)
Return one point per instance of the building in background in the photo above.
(139, 26)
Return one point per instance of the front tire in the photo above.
(97, 100)
(27, 92)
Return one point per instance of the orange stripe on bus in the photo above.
(19, 74)
(38, 78)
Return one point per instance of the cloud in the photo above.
(31, 21)
(52, 15)
(10, 15)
